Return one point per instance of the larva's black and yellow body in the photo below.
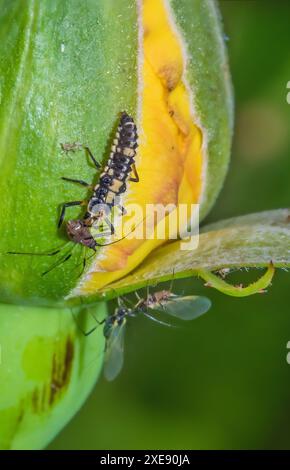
(121, 163)
(112, 183)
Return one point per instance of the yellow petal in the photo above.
(171, 160)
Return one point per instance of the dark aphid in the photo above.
(182, 307)
(112, 183)
(114, 332)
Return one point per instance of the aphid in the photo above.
(71, 147)
(182, 307)
(112, 183)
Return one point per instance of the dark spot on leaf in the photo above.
(39, 399)
(34, 399)
(20, 416)
(61, 370)
(42, 398)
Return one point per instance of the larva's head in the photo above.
(78, 232)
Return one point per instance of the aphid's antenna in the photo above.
(120, 239)
(68, 256)
(148, 290)
(52, 253)
(172, 281)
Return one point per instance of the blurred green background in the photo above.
(223, 381)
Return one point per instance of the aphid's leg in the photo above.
(137, 295)
(134, 179)
(124, 302)
(128, 302)
(62, 260)
(65, 258)
(84, 263)
(109, 223)
(95, 318)
(118, 297)
(87, 333)
(161, 306)
(95, 162)
(83, 183)
(121, 302)
(148, 291)
(64, 207)
(122, 209)
(171, 284)
(140, 301)
(132, 311)
(117, 204)
(100, 235)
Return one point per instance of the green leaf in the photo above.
(213, 100)
(48, 368)
(67, 69)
